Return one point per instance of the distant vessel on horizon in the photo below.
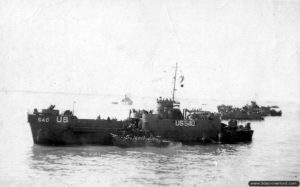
(248, 112)
(127, 100)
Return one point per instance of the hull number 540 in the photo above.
(59, 119)
(43, 119)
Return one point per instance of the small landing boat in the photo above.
(232, 133)
(138, 141)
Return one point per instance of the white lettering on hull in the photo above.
(59, 119)
(43, 119)
(62, 119)
(186, 123)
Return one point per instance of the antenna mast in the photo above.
(174, 86)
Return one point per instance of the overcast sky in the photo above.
(225, 49)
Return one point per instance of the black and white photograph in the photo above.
(150, 93)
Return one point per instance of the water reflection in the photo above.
(174, 165)
(51, 154)
(273, 154)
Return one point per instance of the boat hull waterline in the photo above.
(59, 129)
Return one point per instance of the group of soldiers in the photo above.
(233, 124)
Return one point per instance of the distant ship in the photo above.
(168, 122)
(247, 112)
(127, 100)
(275, 112)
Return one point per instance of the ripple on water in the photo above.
(273, 154)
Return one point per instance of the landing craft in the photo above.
(54, 128)
(168, 122)
(247, 112)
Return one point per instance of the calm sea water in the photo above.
(274, 153)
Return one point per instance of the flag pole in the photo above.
(73, 107)
(174, 86)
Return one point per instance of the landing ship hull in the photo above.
(59, 130)
(48, 131)
(183, 130)
(51, 128)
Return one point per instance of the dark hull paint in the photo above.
(77, 131)
(89, 131)
(230, 136)
(275, 113)
(169, 130)
(241, 116)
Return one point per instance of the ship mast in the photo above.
(174, 86)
